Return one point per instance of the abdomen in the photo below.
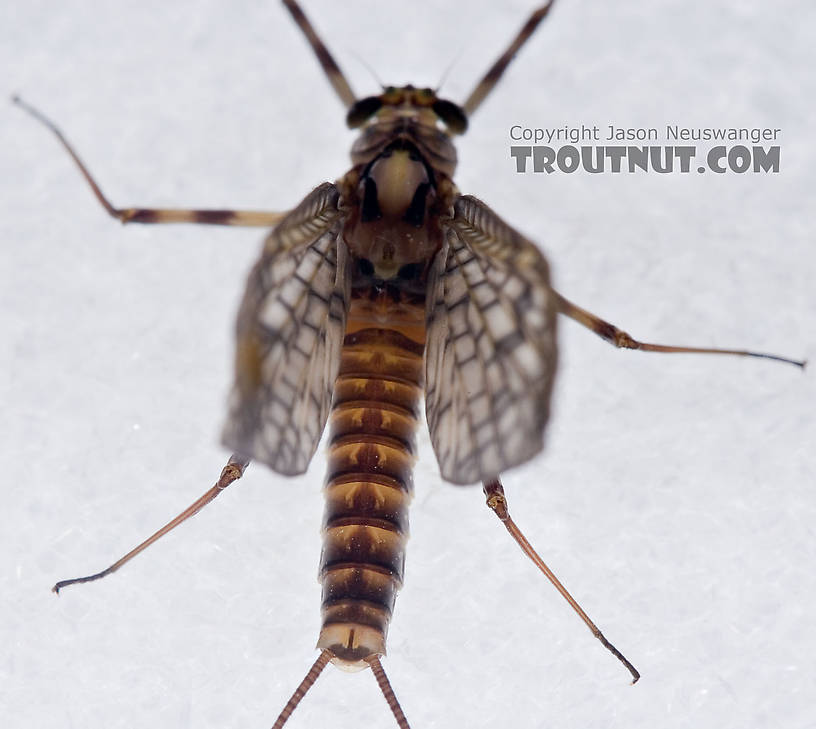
(369, 484)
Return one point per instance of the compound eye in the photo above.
(361, 111)
(452, 115)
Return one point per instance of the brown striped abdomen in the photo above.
(369, 483)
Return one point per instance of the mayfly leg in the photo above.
(244, 218)
(495, 72)
(230, 473)
(621, 339)
(326, 60)
(497, 501)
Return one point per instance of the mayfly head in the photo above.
(408, 102)
(414, 117)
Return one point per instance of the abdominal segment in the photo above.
(369, 484)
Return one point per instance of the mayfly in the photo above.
(376, 290)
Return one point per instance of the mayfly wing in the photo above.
(491, 347)
(490, 362)
(290, 330)
(289, 335)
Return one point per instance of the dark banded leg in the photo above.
(327, 62)
(231, 472)
(491, 78)
(622, 340)
(497, 501)
(245, 218)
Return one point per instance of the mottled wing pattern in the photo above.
(289, 335)
(491, 347)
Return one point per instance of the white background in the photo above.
(675, 498)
